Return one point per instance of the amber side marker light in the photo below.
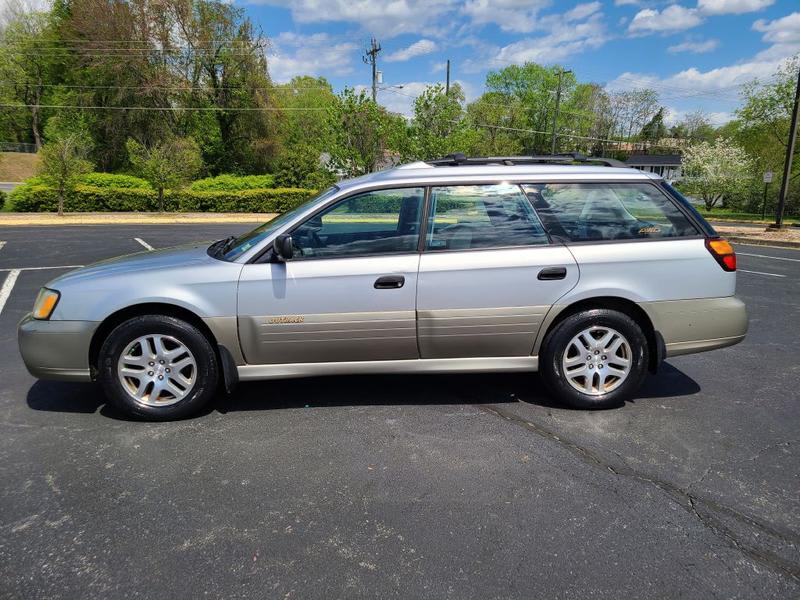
(722, 251)
(45, 303)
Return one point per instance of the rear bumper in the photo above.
(56, 349)
(698, 325)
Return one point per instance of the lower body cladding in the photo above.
(60, 349)
(690, 326)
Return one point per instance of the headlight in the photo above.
(45, 303)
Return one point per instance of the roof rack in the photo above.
(458, 159)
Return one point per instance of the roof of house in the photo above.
(672, 160)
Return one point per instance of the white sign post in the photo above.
(767, 181)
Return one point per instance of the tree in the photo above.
(533, 87)
(362, 133)
(654, 129)
(717, 171)
(298, 125)
(166, 165)
(27, 72)
(62, 161)
(438, 127)
(494, 118)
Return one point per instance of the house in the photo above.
(666, 165)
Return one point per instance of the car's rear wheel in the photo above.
(158, 367)
(594, 359)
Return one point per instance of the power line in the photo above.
(277, 88)
(167, 108)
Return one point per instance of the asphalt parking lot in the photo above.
(470, 486)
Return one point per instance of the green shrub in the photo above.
(33, 196)
(83, 198)
(114, 180)
(2, 199)
(230, 183)
(263, 200)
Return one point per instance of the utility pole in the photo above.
(371, 58)
(787, 165)
(561, 73)
(447, 84)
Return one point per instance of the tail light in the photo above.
(723, 252)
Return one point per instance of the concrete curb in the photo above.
(49, 219)
(763, 242)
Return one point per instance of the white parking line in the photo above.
(43, 268)
(143, 243)
(760, 273)
(768, 256)
(2, 243)
(8, 285)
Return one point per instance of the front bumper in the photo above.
(56, 349)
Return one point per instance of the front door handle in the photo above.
(389, 282)
(552, 273)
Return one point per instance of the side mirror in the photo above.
(282, 246)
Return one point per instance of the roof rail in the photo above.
(459, 159)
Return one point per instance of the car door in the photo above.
(488, 274)
(347, 294)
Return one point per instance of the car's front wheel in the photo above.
(594, 359)
(158, 367)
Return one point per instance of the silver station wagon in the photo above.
(583, 270)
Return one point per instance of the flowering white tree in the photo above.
(717, 170)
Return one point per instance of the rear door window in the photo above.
(581, 212)
(466, 217)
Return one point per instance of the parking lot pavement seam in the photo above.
(682, 497)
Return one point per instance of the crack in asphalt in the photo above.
(682, 497)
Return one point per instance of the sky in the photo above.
(696, 53)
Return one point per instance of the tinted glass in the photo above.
(481, 216)
(608, 211)
(377, 222)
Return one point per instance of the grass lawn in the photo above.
(722, 214)
(18, 166)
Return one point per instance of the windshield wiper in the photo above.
(220, 247)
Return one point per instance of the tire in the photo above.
(144, 387)
(581, 367)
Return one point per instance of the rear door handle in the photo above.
(389, 282)
(552, 273)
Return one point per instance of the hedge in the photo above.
(114, 180)
(230, 183)
(33, 196)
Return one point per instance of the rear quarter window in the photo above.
(582, 212)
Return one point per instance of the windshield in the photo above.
(235, 247)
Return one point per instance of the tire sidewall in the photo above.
(197, 343)
(556, 343)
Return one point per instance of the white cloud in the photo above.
(671, 19)
(673, 116)
(316, 54)
(568, 34)
(695, 47)
(416, 49)
(510, 15)
(783, 34)
(384, 18)
(785, 30)
(735, 7)
(626, 2)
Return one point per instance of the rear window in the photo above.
(582, 212)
